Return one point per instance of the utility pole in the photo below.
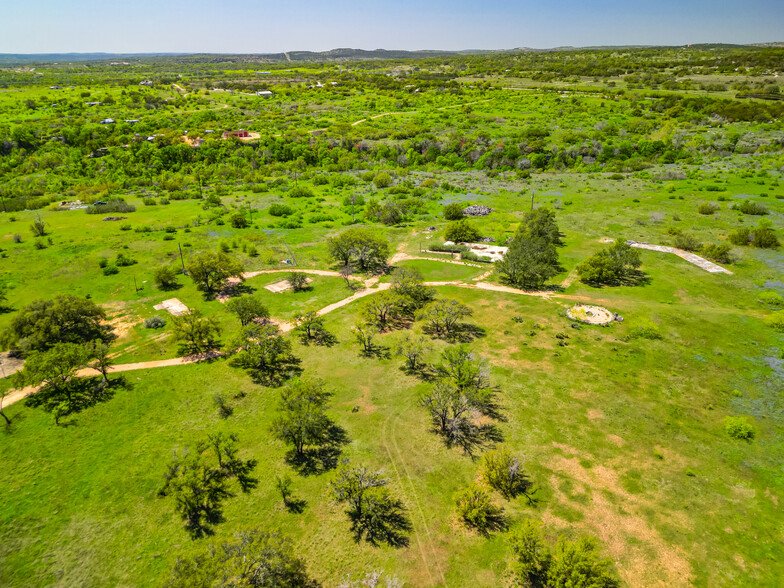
(182, 261)
(135, 287)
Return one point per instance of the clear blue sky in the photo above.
(261, 26)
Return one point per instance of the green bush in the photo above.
(123, 260)
(503, 473)
(771, 298)
(103, 262)
(776, 320)
(461, 231)
(645, 330)
(752, 208)
(280, 210)
(738, 428)
(238, 220)
(707, 208)
(301, 191)
(718, 252)
(155, 322)
(687, 242)
(382, 180)
(110, 270)
(453, 212)
(761, 237)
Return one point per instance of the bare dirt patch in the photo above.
(9, 365)
(644, 557)
(282, 286)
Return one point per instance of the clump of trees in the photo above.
(250, 558)
(375, 514)
(310, 329)
(359, 248)
(199, 481)
(612, 266)
(569, 563)
(444, 316)
(532, 258)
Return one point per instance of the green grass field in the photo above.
(622, 434)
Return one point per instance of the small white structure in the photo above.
(263, 93)
(173, 306)
(107, 121)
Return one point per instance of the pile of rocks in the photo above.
(115, 218)
(477, 210)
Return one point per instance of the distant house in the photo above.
(241, 134)
(263, 93)
(263, 73)
(93, 103)
(208, 131)
(131, 121)
(55, 88)
(107, 121)
(146, 83)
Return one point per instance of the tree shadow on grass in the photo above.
(295, 505)
(423, 371)
(383, 520)
(320, 337)
(465, 333)
(632, 278)
(75, 396)
(322, 458)
(276, 375)
(377, 351)
(470, 437)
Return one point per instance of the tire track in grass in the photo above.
(416, 501)
(384, 435)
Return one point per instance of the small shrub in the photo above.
(504, 473)
(224, 408)
(687, 242)
(738, 428)
(751, 208)
(123, 260)
(382, 180)
(707, 208)
(280, 210)
(149, 201)
(110, 270)
(17, 238)
(771, 298)
(238, 220)
(155, 322)
(645, 330)
(103, 262)
(776, 320)
(125, 227)
(300, 191)
(718, 252)
(39, 244)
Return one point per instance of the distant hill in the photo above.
(340, 54)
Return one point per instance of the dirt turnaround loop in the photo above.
(593, 315)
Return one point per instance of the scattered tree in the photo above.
(412, 347)
(504, 473)
(239, 220)
(262, 351)
(310, 327)
(248, 309)
(365, 333)
(298, 281)
(99, 351)
(529, 262)
(303, 421)
(360, 248)
(444, 315)
(453, 211)
(408, 284)
(461, 231)
(165, 278)
(210, 269)
(615, 265)
(45, 323)
(38, 227)
(382, 308)
(196, 333)
(476, 510)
